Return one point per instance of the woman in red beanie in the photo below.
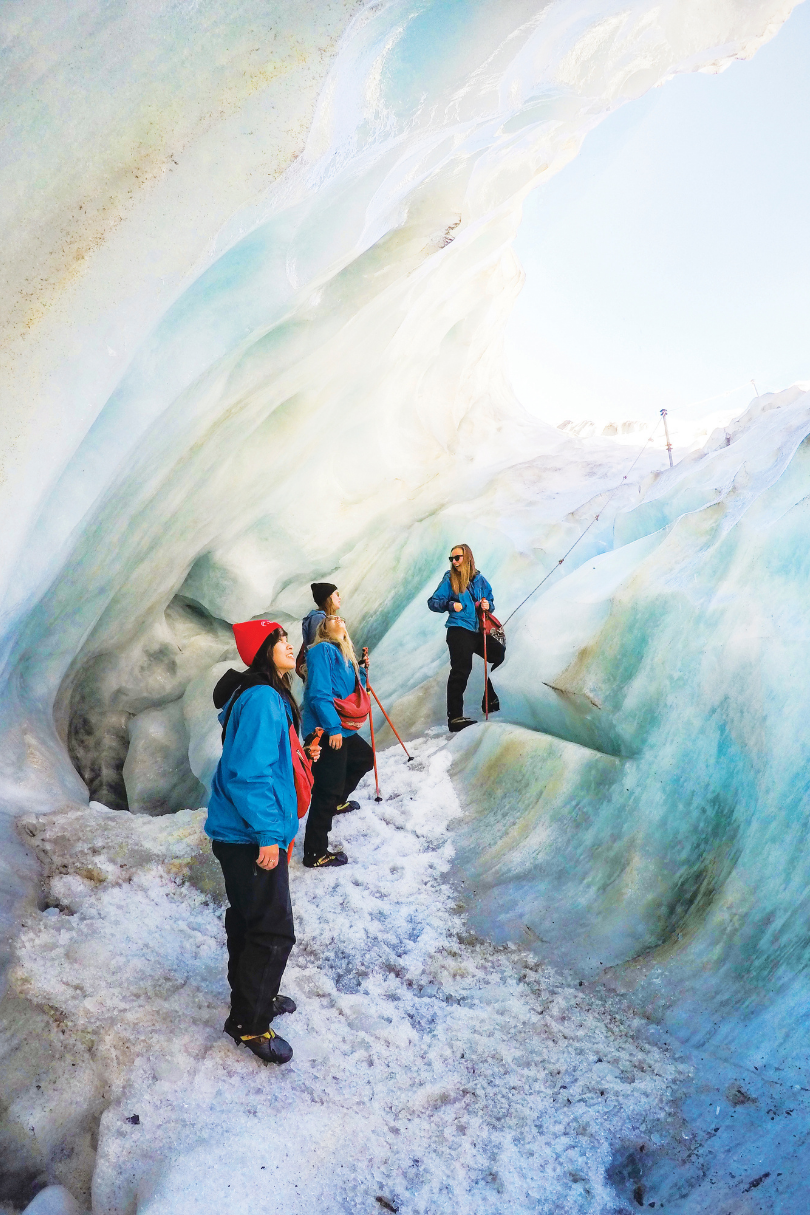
(252, 820)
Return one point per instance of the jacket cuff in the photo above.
(266, 840)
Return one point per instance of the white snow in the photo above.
(53, 1200)
(433, 1072)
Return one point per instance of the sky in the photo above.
(669, 264)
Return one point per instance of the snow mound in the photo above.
(432, 1070)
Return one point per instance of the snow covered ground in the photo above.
(433, 1071)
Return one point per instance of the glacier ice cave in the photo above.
(257, 270)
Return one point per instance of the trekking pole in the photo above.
(388, 719)
(486, 680)
(377, 794)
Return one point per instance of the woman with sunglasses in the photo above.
(252, 820)
(332, 674)
(458, 593)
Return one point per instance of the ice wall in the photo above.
(264, 264)
(660, 839)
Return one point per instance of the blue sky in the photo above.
(669, 264)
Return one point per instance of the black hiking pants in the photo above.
(462, 645)
(337, 774)
(260, 932)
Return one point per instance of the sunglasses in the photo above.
(456, 557)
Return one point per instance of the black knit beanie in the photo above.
(321, 591)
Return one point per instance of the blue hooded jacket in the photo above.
(253, 798)
(329, 675)
(309, 625)
(444, 596)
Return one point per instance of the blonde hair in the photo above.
(461, 578)
(345, 646)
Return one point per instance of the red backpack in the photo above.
(302, 775)
(491, 625)
(302, 771)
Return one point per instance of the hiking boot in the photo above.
(282, 1005)
(494, 703)
(328, 858)
(345, 807)
(268, 1047)
(455, 724)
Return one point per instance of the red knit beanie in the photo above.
(249, 636)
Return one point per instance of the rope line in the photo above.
(582, 535)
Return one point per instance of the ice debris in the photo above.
(433, 1071)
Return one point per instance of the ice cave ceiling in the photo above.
(257, 276)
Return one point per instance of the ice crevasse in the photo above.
(262, 345)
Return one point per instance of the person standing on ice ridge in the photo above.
(252, 821)
(333, 676)
(327, 603)
(461, 591)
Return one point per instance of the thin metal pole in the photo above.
(666, 432)
(388, 719)
(486, 677)
(377, 794)
(585, 530)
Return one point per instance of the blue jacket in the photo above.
(444, 596)
(310, 624)
(328, 675)
(253, 798)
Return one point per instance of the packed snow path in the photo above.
(433, 1072)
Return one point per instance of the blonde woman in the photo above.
(461, 588)
(332, 674)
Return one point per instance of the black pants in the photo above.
(462, 645)
(337, 774)
(260, 932)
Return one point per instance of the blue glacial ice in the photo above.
(263, 346)
(660, 833)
